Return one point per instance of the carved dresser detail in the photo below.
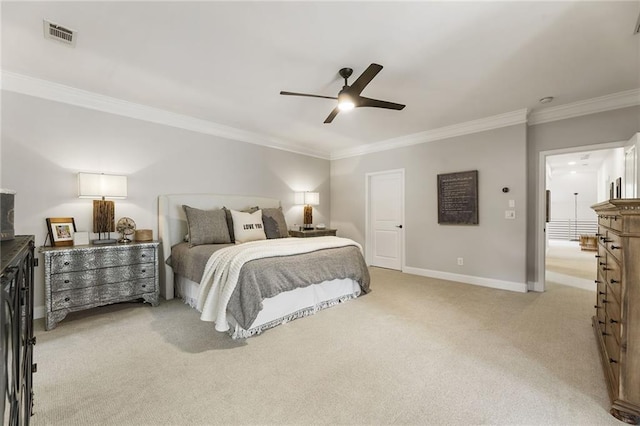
(617, 319)
(83, 277)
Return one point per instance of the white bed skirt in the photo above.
(284, 307)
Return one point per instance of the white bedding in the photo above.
(283, 307)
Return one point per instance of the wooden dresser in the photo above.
(617, 319)
(83, 277)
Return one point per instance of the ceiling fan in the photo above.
(349, 97)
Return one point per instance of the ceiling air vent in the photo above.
(58, 32)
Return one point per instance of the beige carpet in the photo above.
(567, 264)
(414, 351)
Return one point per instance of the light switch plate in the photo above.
(512, 203)
(509, 214)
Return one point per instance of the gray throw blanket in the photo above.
(263, 278)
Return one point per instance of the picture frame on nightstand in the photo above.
(60, 231)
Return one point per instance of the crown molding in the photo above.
(610, 102)
(466, 128)
(19, 83)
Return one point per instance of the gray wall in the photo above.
(605, 127)
(44, 145)
(494, 249)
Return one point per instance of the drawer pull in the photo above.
(601, 292)
(598, 235)
(144, 286)
(606, 269)
(598, 256)
(66, 281)
(66, 263)
(606, 334)
(600, 322)
(597, 281)
(605, 301)
(66, 299)
(613, 361)
(602, 263)
(144, 255)
(144, 270)
(596, 306)
(615, 247)
(612, 281)
(604, 240)
(612, 321)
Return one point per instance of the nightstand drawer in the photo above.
(110, 293)
(67, 262)
(93, 277)
(104, 293)
(74, 298)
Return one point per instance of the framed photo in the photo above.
(61, 230)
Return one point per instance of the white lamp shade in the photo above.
(307, 198)
(312, 198)
(96, 185)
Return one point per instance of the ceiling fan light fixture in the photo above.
(345, 103)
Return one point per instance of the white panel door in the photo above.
(386, 195)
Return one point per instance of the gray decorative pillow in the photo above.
(275, 226)
(230, 219)
(206, 226)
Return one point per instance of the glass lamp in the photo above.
(101, 186)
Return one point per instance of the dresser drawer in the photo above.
(613, 321)
(69, 299)
(603, 220)
(614, 279)
(613, 243)
(67, 262)
(120, 291)
(613, 354)
(93, 277)
(615, 222)
(108, 293)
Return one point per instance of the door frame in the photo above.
(541, 246)
(367, 215)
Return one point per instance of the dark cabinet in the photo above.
(16, 327)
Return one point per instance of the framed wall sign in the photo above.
(61, 230)
(458, 198)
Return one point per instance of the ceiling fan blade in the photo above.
(367, 102)
(307, 95)
(331, 116)
(365, 78)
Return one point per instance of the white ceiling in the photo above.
(578, 162)
(225, 62)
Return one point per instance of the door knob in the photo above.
(399, 226)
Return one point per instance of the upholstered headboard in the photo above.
(172, 222)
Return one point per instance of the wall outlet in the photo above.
(509, 214)
(460, 261)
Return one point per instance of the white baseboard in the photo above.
(468, 279)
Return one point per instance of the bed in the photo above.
(290, 277)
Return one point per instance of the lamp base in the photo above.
(97, 242)
(308, 216)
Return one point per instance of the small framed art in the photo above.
(61, 230)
